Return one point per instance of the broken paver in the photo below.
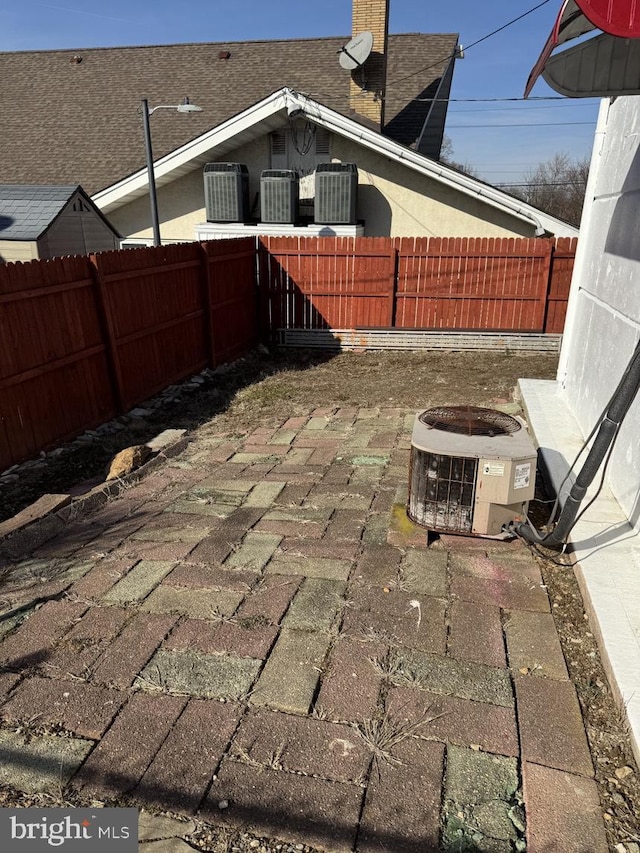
(480, 800)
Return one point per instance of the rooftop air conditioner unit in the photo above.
(226, 192)
(473, 470)
(279, 195)
(336, 193)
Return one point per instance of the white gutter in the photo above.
(470, 186)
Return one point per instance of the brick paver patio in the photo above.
(252, 636)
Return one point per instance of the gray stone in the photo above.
(425, 572)
(255, 551)
(291, 674)
(139, 582)
(316, 605)
(479, 777)
(311, 567)
(40, 763)
(479, 805)
(164, 439)
(207, 676)
(264, 494)
(195, 603)
(158, 827)
(453, 677)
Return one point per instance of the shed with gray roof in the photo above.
(48, 221)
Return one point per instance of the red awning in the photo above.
(619, 18)
(605, 65)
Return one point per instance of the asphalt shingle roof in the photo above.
(65, 120)
(27, 211)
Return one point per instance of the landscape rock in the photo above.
(128, 460)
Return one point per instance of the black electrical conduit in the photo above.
(618, 407)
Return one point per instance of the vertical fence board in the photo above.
(563, 259)
(231, 275)
(54, 376)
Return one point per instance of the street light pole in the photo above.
(153, 198)
(184, 107)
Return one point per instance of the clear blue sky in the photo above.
(489, 136)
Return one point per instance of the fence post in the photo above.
(106, 321)
(395, 262)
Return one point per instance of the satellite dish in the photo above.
(355, 52)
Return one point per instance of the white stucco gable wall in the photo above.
(603, 319)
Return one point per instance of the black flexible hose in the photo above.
(618, 408)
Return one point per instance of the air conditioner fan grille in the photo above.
(470, 420)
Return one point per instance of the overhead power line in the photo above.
(526, 124)
(469, 46)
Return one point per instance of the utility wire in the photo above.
(526, 124)
(469, 46)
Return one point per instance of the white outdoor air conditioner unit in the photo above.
(279, 195)
(226, 192)
(472, 470)
(336, 194)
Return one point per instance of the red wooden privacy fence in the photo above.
(83, 339)
(498, 284)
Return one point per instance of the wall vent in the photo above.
(279, 195)
(336, 193)
(226, 192)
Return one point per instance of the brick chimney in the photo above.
(368, 83)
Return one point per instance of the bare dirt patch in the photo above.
(268, 389)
